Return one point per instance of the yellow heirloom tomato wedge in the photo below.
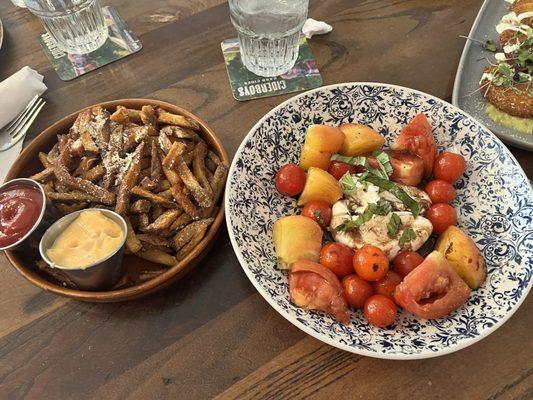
(296, 238)
(320, 185)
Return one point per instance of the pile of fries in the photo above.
(148, 165)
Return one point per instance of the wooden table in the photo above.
(212, 334)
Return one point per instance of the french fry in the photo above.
(157, 210)
(70, 208)
(200, 194)
(133, 243)
(148, 116)
(43, 158)
(185, 235)
(172, 177)
(164, 185)
(72, 197)
(154, 240)
(163, 221)
(154, 198)
(211, 166)
(181, 198)
(129, 181)
(147, 275)
(112, 155)
(157, 256)
(94, 174)
(180, 133)
(176, 150)
(213, 157)
(147, 183)
(164, 117)
(44, 176)
(199, 169)
(185, 250)
(123, 115)
(86, 163)
(218, 181)
(83, 185)
(140, 206)
(155, 163)
(164, 142)
(144, 220)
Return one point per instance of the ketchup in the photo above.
(20, 208)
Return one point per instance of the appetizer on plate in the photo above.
(507, 83)
(366, 211)
(148, 165)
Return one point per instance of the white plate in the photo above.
(494, 204)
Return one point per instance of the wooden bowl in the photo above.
(28, 163)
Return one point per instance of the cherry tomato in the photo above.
(338, 169)
(449, 166)
(405, 262)
(318, 210)
(370, 263)
(290, 180)
(387, 285)
(441, 217)
(338, 258)
(380, 310)
(440, 191)
(356, 290)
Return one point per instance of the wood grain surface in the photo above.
(211, 334)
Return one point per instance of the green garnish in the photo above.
(381, 208)
(397, 191)
(407, 236)
(393, 227)
(348, 185)
(490, 45)
(359, 160)
(383, 161)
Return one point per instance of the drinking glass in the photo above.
(77, 26)
(269, 33)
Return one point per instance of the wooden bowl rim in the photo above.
(156, 283)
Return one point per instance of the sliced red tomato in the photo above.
(416, 138)
(433, 289)
(338, 169)
(407, 168)
(315, 287)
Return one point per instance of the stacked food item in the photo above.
(377, 229)
(508, 84)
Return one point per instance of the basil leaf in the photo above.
(348, 184)
(383, 161)
(318, 217)
(396, 191)
(393, 227)
(407, 236)
(359, 160)
(382, 208)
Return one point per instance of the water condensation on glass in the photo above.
(77, 26)
(269, 33)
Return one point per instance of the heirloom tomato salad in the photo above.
(377, 230)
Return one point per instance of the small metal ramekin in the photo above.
(100, 275)
(46, 217)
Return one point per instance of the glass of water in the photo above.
(77, 26)
(269, 33)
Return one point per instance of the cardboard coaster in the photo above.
(120, 43)
(246, 85)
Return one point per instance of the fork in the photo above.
(16, 130)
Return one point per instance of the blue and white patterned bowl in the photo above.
(494, 204)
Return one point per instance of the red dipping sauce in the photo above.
(20, 208)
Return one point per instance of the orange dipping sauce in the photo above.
(20, 208)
